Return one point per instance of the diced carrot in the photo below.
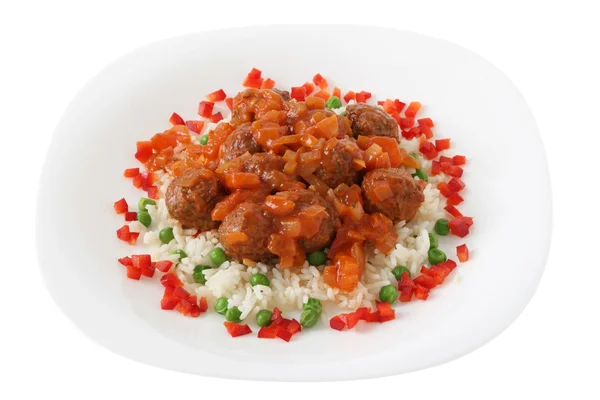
(322, 94)
(229, 102)
(462, 252)
(315, 102)
(336, 92)
(412, 109)
(237, 237)
(242, 180)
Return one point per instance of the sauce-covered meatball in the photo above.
(191, 197)
(400, 202)
(337, 165)
(251, 104)
(268, 167)
(245, 233)
(371, 121)
(239, 142)
(325, 224)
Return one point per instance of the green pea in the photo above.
(166, 235)
(433, 241)
(343, 114)
(233, 314)
(388, 294)
(436, 256)
(144, 218)
(419, 173)
(199, 273)
(204, 140)
(263, 318)
(398, 271)
(313, 304)
(441, 227)
(144, 202)
(259, 279)
(316, 258)
(180, 253)
(333, 102)
(221, 305)
(309, 318)
(218, 256)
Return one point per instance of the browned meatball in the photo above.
(337, 164)
(239, 142)
(371, 121)
(250, 104)
(251, 220)
(192, 196)
(328, 224)
(404, 200)
(267, 166)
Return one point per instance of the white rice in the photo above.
(289, 290)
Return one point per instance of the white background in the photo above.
(51, 48)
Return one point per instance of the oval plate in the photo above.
(470, 100)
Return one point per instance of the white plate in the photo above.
(470, 100)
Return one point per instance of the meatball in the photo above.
(239, 142)
(250, 104)
(337, 164)
(329, 225)
(371, 121)
(405, 198)
(250, 219)
(192, 196)
(267, 166)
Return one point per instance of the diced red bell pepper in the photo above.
(456, 184)
(126, 261)
(254, 73)
(152, 192)
(131, 172)
(309, 88)
(298, 93)
(268, 84)
(372, 317)
(425, 130)
(362, 313)
(229, 102)
(428, 150)
(406, 287)
(426, 281)
(203, 304)
(435, 168)
(276, 317)
(462, 252)
(130, 216)
(450, 264)
(164, 265)
(421, 292)
(445, 189)
(134, 272)
(205, 109)
(411, 133)
(352, 319)
(236, 330)
(337, 323)
(453, 211)
(168, 301)
(455, 199)
(442, 144)
(141, 261)
(121, 206)
(149, 272)
(253, 83)
(267, 332)
(180, 293)
(195, 125)
(349, 96)
(176, 119)
(459, 226)
(451, 169)
(459, 160)
(170, 280)
(412, 109)
(216, 117)
(362, 96)
(294, 327)
(407, 123)
(218, 95)
(123, 233)
(133, 237)
(184, 306)
(425, 122)
(283, 333)
(144, 151)
(444, 159)
(386, 312)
